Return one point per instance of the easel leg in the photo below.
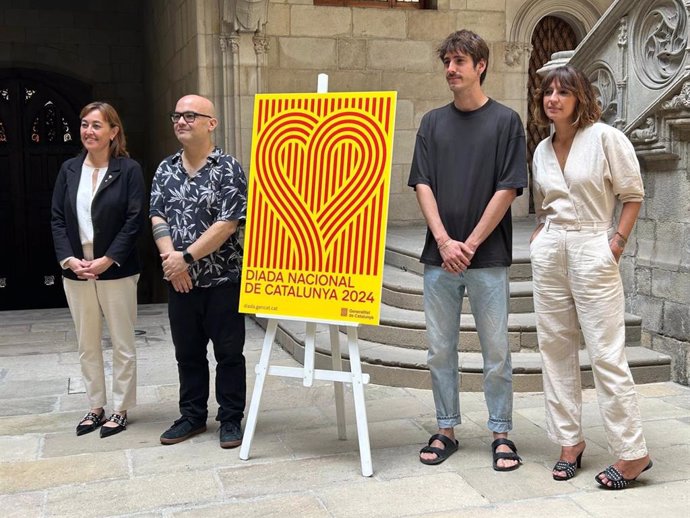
(261, 373)
(360, 408)
(337, 363)
(309, 354)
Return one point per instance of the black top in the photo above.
(117, 213)
(465, 157)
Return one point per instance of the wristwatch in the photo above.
(188, 258)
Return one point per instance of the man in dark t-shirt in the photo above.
(469, 164)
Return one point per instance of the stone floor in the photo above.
(298, 467)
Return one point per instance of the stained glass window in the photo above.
(49, 126)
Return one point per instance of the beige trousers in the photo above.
(89, 301)
(577, 285)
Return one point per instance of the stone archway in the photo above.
(581, 15)
(552, 34)
(578, 15)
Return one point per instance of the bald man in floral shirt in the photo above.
(198, 201)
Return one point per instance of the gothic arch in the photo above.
(580, 14)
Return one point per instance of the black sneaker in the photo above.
(181, 430)
(230, 434)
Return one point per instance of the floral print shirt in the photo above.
(218, 192)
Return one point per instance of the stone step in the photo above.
(520, 270)
(404, 289)
(394, 353)
(406, 328)
(405, 367)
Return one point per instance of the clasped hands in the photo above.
(175, 270)
(85, 269)
(456, 255)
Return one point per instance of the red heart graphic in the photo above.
(317, 174)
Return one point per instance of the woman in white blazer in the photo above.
(580, 173)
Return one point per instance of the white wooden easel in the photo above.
(308, 374)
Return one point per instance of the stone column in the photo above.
(230, 46)
(241, 19)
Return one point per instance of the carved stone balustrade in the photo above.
(637, 58)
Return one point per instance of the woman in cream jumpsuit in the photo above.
(578, 173)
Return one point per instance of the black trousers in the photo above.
(196, 317)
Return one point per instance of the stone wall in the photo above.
(363, 49)
(384, 49)
(99, 43)
(182, 49)
(172, 68)
(661, 283)
(651, 104)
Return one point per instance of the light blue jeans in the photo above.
(488, 290)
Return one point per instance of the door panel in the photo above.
(551, 35)
(42, 133)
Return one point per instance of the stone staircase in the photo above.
(394, 352)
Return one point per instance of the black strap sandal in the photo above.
(96, 421)
(567, 467)
(450, 447)
(120, 420)
(616, 477)
(505, 455)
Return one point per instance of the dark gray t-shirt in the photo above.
(465, 157)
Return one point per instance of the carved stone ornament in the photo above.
(231, 43)
(645, 132)
(260, 44)
(623, 32)
(680, 101)
(605, 86)
(660, 40)
(246, 15)
(514, 52)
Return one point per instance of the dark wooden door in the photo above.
(551, 35)
(39, 129)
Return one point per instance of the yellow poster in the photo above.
(317, 206)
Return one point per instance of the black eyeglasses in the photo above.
(188, 117)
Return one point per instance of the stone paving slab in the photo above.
(60, 471)
(304, 506)
(136, 494)
(450, 491)
(298, 466)
(23, 505)
(19, 448)
(200, 454)
(35, 405)
(557, 507)
(648, 499)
